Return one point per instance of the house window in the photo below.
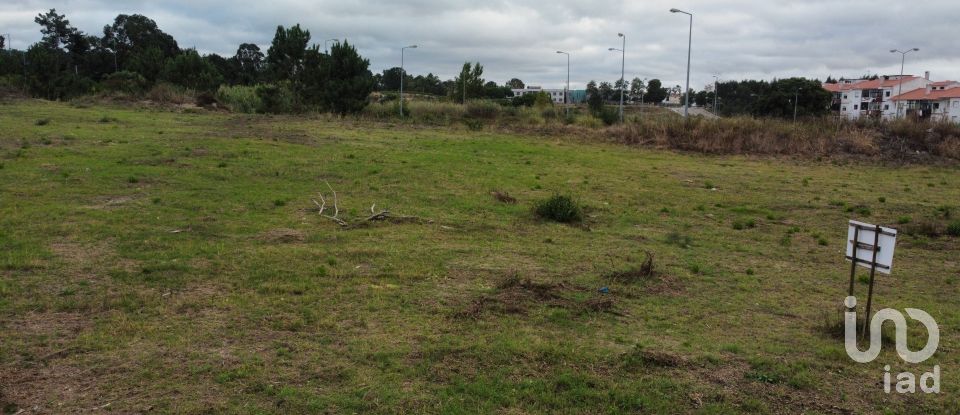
(843, 109)
(956, 104)
(886, 107)
(844, 96)
(855, 107)
(888, 93)
(936, 105)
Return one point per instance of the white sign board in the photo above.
(866, 235)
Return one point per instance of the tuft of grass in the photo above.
(903, 220)
(744, 224)
(678, 239)
(953, 229)
(41, 122)
(559, 208)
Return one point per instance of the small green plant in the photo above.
(473, 125)
(822, 242)
(43, 121)
(862, 210)
(953, 229)
(279, 203)
(744, 224)
(903, 220)
(133, 179)
(678, 239)
(882, 199)
(559, 208)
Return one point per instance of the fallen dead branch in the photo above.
(375, 216)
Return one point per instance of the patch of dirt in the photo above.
(644, 272)
(111, 202)
(282, 236)
(517, 296)
(503, 197)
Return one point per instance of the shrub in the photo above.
(125, 81)
(239, 98)
(953, 229)
(167, 93)
(559, 208)
(275, 98)
(43, 121)
(483, 109)
(609, 116)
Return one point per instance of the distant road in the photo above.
(695, 111)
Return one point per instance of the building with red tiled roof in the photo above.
(938, 101)
(854, 99)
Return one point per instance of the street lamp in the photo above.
(796, 99)
(716, 93)
(566, 94)
(903, 58)
(403, 75)
(327, 49)
(623, 61)
(686, 107)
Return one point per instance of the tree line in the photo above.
(133, 55)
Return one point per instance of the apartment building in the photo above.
(938, 101)
(556, 95)
(858, 98)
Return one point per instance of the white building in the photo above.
(555, 94)
(938, 101)
(858, 98)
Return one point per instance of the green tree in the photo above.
(287, 51)
(391, 80)
(469, 84)
(148, 62)
(190, 70)
(55, 28)
(595, 98)
(249, 58)
(130, 35)
(637, 89)
(515, 83)
(349, 82)
(656, 93)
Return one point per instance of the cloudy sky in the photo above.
(736, 39)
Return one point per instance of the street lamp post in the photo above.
(796, 100)
(326, 49)
(903, 59)
(686, 107)
(623, 62)
(566, 94)
(716, 94)
(403, 74)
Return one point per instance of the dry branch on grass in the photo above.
(383, 215)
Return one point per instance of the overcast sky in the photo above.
(736, 39)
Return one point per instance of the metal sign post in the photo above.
(869, 246)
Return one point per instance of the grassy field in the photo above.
(163, 262)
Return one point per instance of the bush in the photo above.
(609, 116)
(239, 98)
(559, 208)
(483, 109)
(167, 93)
(275, 98)
(953, 229)
(124, 81)
(526, 100)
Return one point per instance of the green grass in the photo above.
(177, 262)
